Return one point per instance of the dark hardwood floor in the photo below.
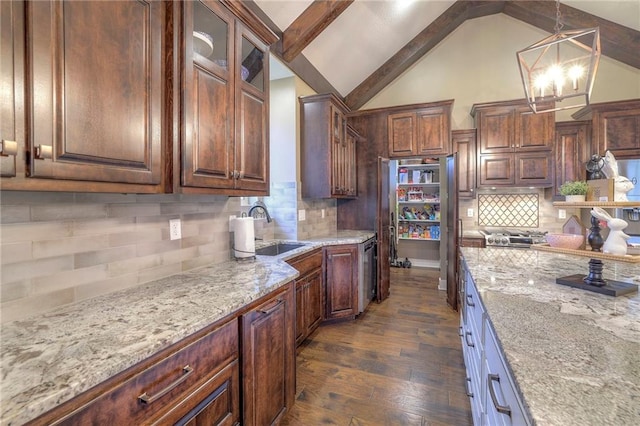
(400, 363)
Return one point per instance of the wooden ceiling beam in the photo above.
(433, 34)
(617, 41)
(309, 25)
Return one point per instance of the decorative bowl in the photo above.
(565, 241)
(202, 43)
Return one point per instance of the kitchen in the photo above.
(62, 247)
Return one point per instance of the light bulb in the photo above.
(575, 72)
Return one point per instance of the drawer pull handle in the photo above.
(504, 409)
(460, 332)
(271, 309)
(467, 386)
(470, 301)
(8, 148)
(186, 370)
(466, 338)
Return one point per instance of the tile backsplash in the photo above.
(508, 210)
(58, 248)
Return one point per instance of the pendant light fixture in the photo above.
(558, 72)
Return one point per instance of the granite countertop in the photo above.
(50, 358)
(574, 354)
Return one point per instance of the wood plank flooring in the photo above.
(399, 363)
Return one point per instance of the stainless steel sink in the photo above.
(278, 248)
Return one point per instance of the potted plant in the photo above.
(574, 191)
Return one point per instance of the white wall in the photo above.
(282, 130)
(477, 63)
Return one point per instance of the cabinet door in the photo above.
(498, 169)
(619, 132)
(534, 132)
(269, 360)
(252, 122)
(338, 152)
(207, 128)
(341, 263)
(301, 295)
(496, 129)
(96, 90)
(534, 169)
(11, 22)
(313, 301)
(351, 162)
(571, 152)
(432, 132)
(464, 143)
(401, 134)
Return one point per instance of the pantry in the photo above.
(417, 214)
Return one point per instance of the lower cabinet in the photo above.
(341, 281)
(309, 300)
(490, 387)
(197, 380)
(268, 359)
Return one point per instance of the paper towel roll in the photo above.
(244, 238)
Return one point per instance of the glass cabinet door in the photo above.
(211, 38)
(252, 64)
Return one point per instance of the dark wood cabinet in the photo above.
(464, 143)
(422, 132)
(225, 126)
(341, 281)
(572, 152)
(615, 127)
(514, 145)
(11, 70)
(196, 378)
(268, 359)
(309, 300)
(94, 82)
(327, 158)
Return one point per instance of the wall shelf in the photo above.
(589, 204)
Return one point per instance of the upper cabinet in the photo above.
(615, 127)
(224, 121)
(424, 131)
(328, 148)
(91, 88)
(514, 145)
(464, 144)
(134, 97)
(572, 152)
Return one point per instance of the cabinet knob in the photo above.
(44, 152)
(8, 148)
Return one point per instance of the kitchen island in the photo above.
(574, 355)
(50, 358)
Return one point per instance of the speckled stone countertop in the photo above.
(574, 354)
(49, 359)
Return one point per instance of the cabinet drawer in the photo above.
(307, 262)
(503, 405)
(473, 308)
(163, 385)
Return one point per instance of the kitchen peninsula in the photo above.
(574, 355)
(51, 358)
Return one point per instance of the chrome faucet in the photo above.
(260, 205)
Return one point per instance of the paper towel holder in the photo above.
(244, 242)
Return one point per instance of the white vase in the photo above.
(575, 198)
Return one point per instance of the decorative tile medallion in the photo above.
(508, 210)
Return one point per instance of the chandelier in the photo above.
(558, 72)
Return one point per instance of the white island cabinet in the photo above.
(549, 354)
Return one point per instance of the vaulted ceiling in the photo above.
(356, 48)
